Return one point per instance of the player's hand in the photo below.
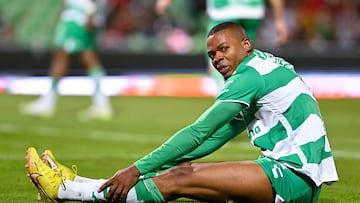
(90, 22)
(282, 32)
(121, 183)
(161, 6)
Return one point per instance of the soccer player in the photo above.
(75, 34)
(248, 13)
(262, 93)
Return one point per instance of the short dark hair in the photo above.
(226, 25)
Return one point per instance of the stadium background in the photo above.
(324, 39)
(134, 46)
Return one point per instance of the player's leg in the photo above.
(263, 180)
(46, 104)
(52, 186)
(289, 185)
(101, 108)
(58, 70)
(243, 181)
(65, 44)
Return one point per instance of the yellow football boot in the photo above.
(63, 171)
(43, 177)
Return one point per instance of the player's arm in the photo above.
(213, 143)
(279, 20)
(90, 10)
(161, 6)
(193, 136)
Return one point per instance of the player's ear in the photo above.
(247, 44)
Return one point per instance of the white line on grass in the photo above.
(124, 136)
(346, 154)
(47, 131)
(8, 128)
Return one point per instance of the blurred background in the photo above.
(149, 55)
(324, 36)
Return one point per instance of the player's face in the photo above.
(227, 50)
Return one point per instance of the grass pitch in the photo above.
(140, 125)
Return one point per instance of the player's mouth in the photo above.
(223, 69)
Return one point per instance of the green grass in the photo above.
(140, 125)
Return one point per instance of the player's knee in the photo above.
(182, 170)
(173, 180)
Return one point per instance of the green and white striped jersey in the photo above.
(77, 11)
(234, 9)
(282, 116)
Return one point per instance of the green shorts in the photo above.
(289, 186)
(73, 38)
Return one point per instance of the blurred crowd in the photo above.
(320, 24)
(134, 26)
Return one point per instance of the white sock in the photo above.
(81, 179)
(49, 99)
(132, 197)
(101, 100)
(81, 191)
(87, 191)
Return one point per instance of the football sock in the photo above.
(99, 98)
(147, 191)
(49, 99)
(81, 179)
(54, 84)
(144, 191)
(96, 73)
(78, 191)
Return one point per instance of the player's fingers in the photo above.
(124, 194)
(105, 185)
(117, 194)
(111, 192)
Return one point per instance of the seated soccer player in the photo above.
(263, 94)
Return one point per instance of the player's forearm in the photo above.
(217, 140)
(189, 138)
(278, 9)
(181, 143)
(161, 6)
